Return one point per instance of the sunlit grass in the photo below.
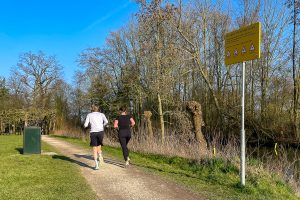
(38, 176)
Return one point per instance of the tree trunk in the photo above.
(195, 108)
(148, 115)
(161, 119)
(14, 128)
(295, 114)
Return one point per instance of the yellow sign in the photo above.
(243, 44)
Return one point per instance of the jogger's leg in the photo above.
(95, 155)
(99, 150)
(124, 147)
(95, 152)
(100, 136)
(127, 140)
(100, 156)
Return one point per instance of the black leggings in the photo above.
(124, 137)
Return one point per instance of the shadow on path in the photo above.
(71, 160)
(114, 162)
(106, 160)
(88, 157)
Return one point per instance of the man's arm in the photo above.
(87, 121)
(105, 121)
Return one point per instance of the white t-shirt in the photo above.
(97, 121)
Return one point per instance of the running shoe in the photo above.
(96, 166)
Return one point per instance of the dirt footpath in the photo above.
(114, 182)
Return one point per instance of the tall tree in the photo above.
(4, 95)
(38, 74)
(295, 6)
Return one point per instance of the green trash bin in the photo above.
(32, 140)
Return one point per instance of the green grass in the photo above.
(213, 179)
(38, 176)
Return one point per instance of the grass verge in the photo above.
(212, 178)
(38, 176)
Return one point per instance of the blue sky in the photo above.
(58, 27)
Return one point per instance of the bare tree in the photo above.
(38, 74)
(295, 6)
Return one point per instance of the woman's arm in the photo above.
(116, 122)
(132, 121)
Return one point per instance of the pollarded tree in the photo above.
(200, 29)
(160, 57)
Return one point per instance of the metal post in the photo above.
(242, 170)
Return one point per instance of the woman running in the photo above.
(123, 122)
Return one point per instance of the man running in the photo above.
(97, 122)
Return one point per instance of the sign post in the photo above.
(243, 145)
(242, 45)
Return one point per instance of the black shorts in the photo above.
(96, 138)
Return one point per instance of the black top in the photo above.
(124, 121)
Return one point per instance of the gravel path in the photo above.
(114, 182)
